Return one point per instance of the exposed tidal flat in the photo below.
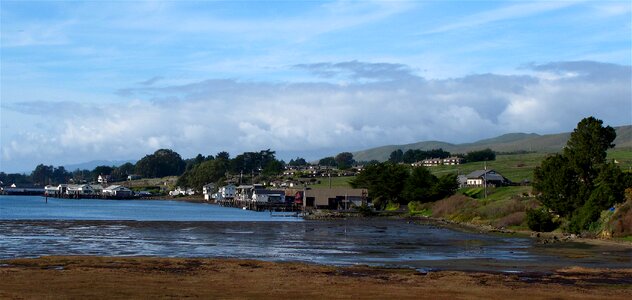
(210, 249)
(30, 227)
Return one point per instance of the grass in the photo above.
(516, 167)
(626, 238)
(391, 206)
(623, 157)
(335, 182)
(144, 182)
(423, 212)
(507, 192)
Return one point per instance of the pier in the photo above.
(260, 206)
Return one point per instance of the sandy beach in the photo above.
(81, 277)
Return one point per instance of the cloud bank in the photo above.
(376, 104)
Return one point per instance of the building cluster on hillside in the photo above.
(257, 195)
(72, 191)
(315, 171)
(433, 162)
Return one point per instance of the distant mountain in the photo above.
(95, 163)
(511, 142)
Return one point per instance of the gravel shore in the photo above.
(83, 277)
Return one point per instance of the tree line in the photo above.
(414, 155)
(579, 183)
(398, 183)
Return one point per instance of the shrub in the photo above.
(418, 208)
(391, 206)
(540, 220)
(501, 208)
(514, 219)
(621, 221)
(473, 192)
(452, 205)
(414, 206)
(365, 210)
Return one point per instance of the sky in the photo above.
(117, 80)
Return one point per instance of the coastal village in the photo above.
(279, 194)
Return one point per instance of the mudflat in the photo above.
(93, 277)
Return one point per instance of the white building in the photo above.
(208, 190)
(51, 190)
(268, 196)
(226, 192)
(103, 179)
(486, 177)
(79, 190)
(182, 192)
(117, 191)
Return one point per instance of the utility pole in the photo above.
(485, 179)
(329, 173)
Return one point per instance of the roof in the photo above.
(269, 192)
(334, 192)
(489, 175)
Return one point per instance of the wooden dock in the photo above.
(259, 206)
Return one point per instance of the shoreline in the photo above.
(148, 277)
(316, 215)
(542, 237)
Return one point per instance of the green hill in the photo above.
(512, 142)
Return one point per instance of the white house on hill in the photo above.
(491, 177)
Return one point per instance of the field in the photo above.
(516, 167)
(335, 182)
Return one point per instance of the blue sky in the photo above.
(117, 80)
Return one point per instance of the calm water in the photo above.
(35, 208)
(29, 228)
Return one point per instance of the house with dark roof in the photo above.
(268, 196)
(486, 177)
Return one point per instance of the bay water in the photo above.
(30, 227)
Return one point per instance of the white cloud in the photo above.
(500, 14)
(214, 115)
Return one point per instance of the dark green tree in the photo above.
(209, 171)
(557, 184)
(587, 148)
(344, 160)
(16, 178)
(419, 186)
(60, 175)
(329, 161)
(163, 162)
(580, 183)
(299, 161)
(274, 167)
(222, 155)
(396, 156)
(446, 186)
(101, 170)
(481, 155)
(126, 169)
(385, 182)
(42, 174)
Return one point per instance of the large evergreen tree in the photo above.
(163, 162)
(580, 183)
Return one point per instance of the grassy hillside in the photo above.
(512, 142)
(516, 167)
(382, 153)
(335, 182)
